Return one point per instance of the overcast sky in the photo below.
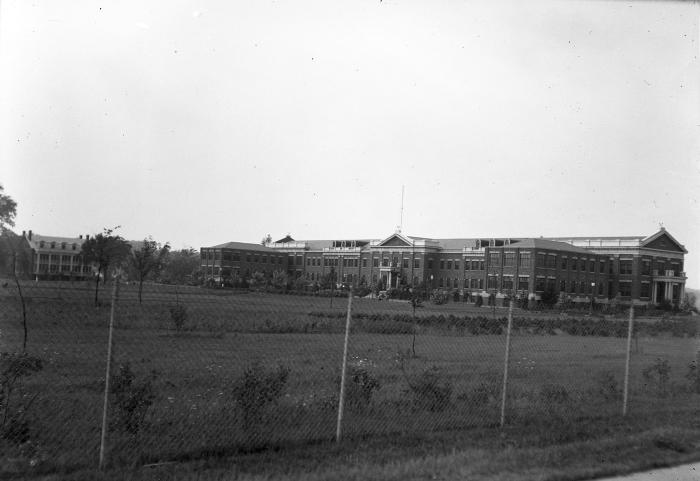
(204, 122)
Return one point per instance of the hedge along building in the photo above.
(640, 269)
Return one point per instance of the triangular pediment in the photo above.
(663, 241)
(396, 240)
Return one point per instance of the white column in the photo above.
(653, 292)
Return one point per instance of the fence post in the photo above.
(625, 395)
(506, 361)
(341, 401)
(103, 438)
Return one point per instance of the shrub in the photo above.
(479, 301)
(178, 316)
(14, 367)
(132, 398)
(430, 391)
(439, 297)
(257, 389)
(658, 373)
(360, 388)
(608, 387)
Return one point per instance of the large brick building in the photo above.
(643, 270)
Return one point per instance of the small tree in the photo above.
(105, 250)
(148, 261)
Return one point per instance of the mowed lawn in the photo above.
(563, 391)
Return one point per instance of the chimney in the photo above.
(24, 233)
(30, 234)
(81, 236)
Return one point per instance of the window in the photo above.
(525, 259)
(65, 259)
(495, 258)
(562, 286)
(63, 245)
(441, 282)
(300, 261)
(591, 265)
(675, 267)
(41, 244)
(551, 283)
(416, 263)
(625, 288)
(455, 283)
(564, 263)
(539, 283)
(456, 264)
(509, 259)
(375, 262)
(405, 263)
(385, 262)
(264, 259)
(541, 260)
(572, 287)
(430, 263)
(582, 265)
(442, 264)
(308, 261)
(600, 288)
(493, 282)
(644, 292)
(551, 261)
(625, 267)
(256, 258)
(449, 264)
(507, 282)
(646, 267)
(364, 262)
(394, 261)
(248, 257)
(74, 246)
(523, 283)
(602, 266)
(660, 265)
(481, 265)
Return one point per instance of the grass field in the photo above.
(433, 413)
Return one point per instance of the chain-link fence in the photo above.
(196, 372)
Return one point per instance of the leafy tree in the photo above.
(15, 257)
(8, 211)
(266, 241)
(16, 260)
(148, 261)
(181, 267)
(105, 250)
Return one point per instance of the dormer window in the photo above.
(63, 245)
(53, 245)
(41, 243)
(73, 246)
